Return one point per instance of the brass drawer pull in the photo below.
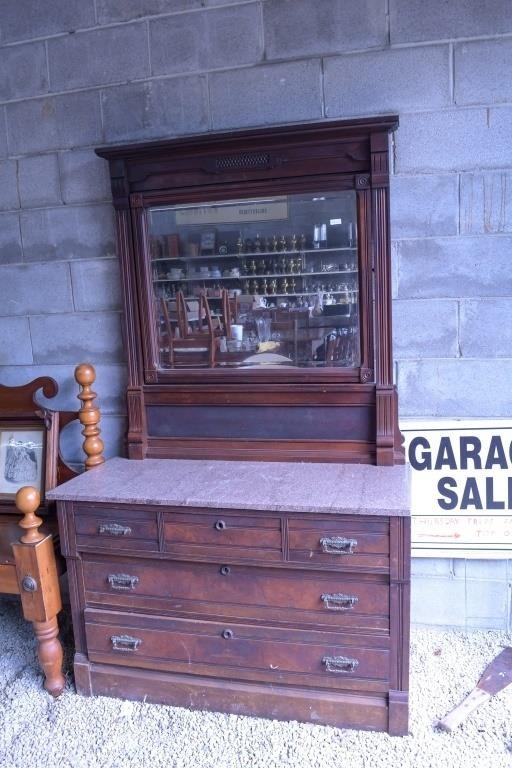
(122, 581)
(220, 525)
(339, 664)
(338, 545)
(227, 634)
(225, 570)
(337, 601)
(125, 642)
(114, 529)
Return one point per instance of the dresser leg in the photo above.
(398, 713)
(49, 651)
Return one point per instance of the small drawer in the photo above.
(116, 528)
(238, 651)
(275, 595)
(347, 543)
(244, 537)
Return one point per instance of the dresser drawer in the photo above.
(116, 529)
(237, 651)
(340, 543)
(245, 537)
(276, 595)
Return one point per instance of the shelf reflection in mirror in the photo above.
(283, 271)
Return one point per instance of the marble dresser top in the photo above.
(255, 485)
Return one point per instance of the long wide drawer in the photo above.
(246, 537)
(276, 595)
(340, 542)
(238, 651)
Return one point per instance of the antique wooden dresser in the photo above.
(274, 589)
(257, 316)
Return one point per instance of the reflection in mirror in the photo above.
(253, 283)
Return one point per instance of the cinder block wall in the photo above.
(79, 73)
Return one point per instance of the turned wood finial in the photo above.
(27, 501)
(89, 416)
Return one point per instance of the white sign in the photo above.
(461, 487)
(234, 213)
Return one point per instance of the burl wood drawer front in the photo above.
(340, 543)
(239, 536)
(239, 651)
(116, 529)
(237, 591)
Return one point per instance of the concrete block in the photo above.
(125, 10)
(3, 133)
(10, 239)
(441, 567)
(68, 233)
(426, 328)
(227, 37)
(76, 337)
(215, 3)
(100, 57)
(487, 623)
(72, 120)
(485, 328)
(380, 81)
(24, 71)
(482, 570)
(486, 600)
(156, 108)
(446, 141)
(410, 21)
(455, 267)
(438, 602)
(109, 385)
(34, 288)
(26, 19)
(8, 186)
(277, 93)
(483, 72)
(96, 284)
(84, 177)
(486, 202)
(395, 262)
(38, 181)
(15, 347)
(452, 388)
(304, 28)
(424, 205)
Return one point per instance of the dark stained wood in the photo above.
(237, 592)
(192, 605)
(364, 710)
(331, 156)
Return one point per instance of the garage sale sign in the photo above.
(461, 487)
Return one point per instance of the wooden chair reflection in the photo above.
(189, 336)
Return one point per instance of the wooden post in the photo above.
(38, 583)
(89, 416)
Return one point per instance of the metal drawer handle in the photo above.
(125, 642)
(227, 634)
(122, 581)
(339, 664)
(338, 545)
(225, 570)
(339, 602)
(220, 525)
(114, 529)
